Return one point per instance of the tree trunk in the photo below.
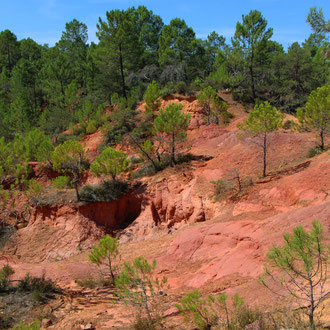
(265, 154)
(145, 153)
(322, 138)
(122, 72)
(312, 307)
(75, 184)
(238, 180)
(173, 149)
(252, 83)
(111, 271)
(145, 302)
(252, 76)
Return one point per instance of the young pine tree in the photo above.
(70, 158)
(302, 260)
(137, 287)
(263, 120)
(106, 254)
(152, 98)
(171, 125)
(110, 162)
(317, 112)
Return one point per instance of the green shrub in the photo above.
(79, 129)
(21, 326)
(168, 89)
(181, 87)
(61, 182)
(143, 323)
(114, 134)
(33, 189)
(5, 274)
(105, 254)
(39, 286)
(106, 192)
(288, 124)
(91, 127)
(226, 116)
(314, 152)
(222, 188)
(90, 282)
(61, 138)
(207, 313)
(137, 286)
(110, 162)
(144, 171)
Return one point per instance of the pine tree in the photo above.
(303, 260)
(136, 285)
(110, 162)
(172, 124)
(249, 35)
(152, 98)
(70, 157)
(263, 120)
(317, 111)
(106, 254)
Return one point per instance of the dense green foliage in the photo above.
(152, 97)
(212, 105)
(70, 158)
(51, 97)
(110, 162)
(52, 88)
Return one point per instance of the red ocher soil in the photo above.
(197, 242)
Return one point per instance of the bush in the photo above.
(222, 188)
(288, 124)
(106, 192)
(91, 127)
(143, 323)
(114, 134)
(226, 116)
(33, 189)
(244, 316)
(90, 282)
(79, 130)
(145, 171)
(137, 286)
(314, 152)
(208, 313)
(110, 162)
(168, 89)
(181, 87)
(105, 254)
(39, 286)
(33, 326)
(61, 182)
(5, 274)
(61, 138)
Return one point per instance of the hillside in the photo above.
(199, 241)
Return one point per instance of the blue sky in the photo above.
(44, 20)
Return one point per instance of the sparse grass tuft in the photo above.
(314, 152)
(90, 282)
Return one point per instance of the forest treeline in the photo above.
(52, 88)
